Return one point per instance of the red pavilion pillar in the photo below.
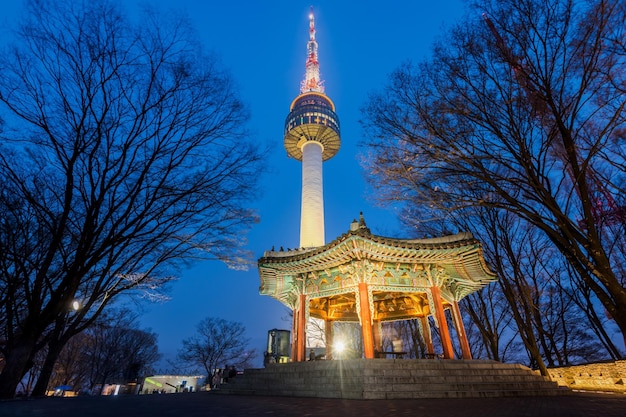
(301, 330)
(294, 336)
(366, 321)
(446, 342)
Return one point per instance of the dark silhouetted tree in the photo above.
(521, 110)
(123, 157)
(118, 351)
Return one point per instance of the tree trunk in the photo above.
(41, 386)
(419, 347)
(489, 337)
(16, 365)
(600, 331)
(104, 379)
(524, 325)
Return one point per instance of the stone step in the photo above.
(440, 386)
(401, 378)
(392, 381)
(391, 378)
(415, 394)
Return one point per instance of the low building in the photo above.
(166, 384)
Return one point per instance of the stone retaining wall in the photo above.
(605, 376)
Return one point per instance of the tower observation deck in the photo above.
(312, 136)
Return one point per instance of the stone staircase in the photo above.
(393, 379)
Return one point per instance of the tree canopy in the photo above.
(521, 110)
(123, 156)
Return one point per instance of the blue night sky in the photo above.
(263, 44)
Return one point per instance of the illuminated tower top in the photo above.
(312, 80)
(312, 114)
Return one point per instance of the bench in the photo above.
(396, 355)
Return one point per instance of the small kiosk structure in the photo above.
(370, 279)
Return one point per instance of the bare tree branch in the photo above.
(519, 111)
(124, 157)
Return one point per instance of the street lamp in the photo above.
(75, 306)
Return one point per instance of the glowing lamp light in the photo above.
(75, 305)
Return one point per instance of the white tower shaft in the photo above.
(312, 208)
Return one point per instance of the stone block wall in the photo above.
(604, 376)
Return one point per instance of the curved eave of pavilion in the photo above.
(460, 255)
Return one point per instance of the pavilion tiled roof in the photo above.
(460, 255)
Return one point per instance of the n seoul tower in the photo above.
(312, 136)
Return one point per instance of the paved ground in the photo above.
(205, 404)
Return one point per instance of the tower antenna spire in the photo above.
(312, 80)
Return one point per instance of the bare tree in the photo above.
(112, 350)
(315, 333)
(118, 351)
(529, 269)
(522, 110)
(407, 331)
(217, 342)
(123, 156)
(27, 383)
(490, 315)
(531, 302)
(598, 321)
(69, 368)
